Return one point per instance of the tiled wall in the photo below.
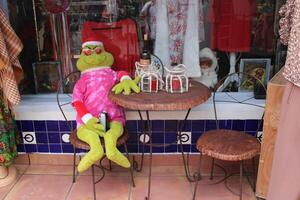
(52, 136)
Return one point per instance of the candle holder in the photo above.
(177, 80)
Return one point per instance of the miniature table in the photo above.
(163, 101)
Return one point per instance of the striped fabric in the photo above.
(10, 68)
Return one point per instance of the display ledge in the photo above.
(44, 107)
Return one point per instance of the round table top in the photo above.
(162, 100)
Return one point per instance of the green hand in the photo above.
(94, 125)
(127, 85)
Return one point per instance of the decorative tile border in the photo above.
(52, 136)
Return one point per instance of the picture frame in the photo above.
(47, 76)
(260, 68)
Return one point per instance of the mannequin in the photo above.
(231, 29)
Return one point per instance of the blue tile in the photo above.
(67, 148)
(186, 148)
(65, 126)
(158, 149)
(194, 149)
(43, 148)
(132, 148)
(195, 136)
(121, 149)
(131, 125)
(74, 124)
(141, 146)
(30, 148)
(187, 126)
(27, 125)
(55, 148)
(210, 124)
(171, 125)
(141, 125)
(228, 124)
(20, 148)
(41, 137)
(238, 125)
(158, 138)
(158, 125)
(223, 124)
(260, 125)
(52, 126)
(63, 133)
(171, 149)
(198, 125)
(170, 137)
(54, 137)
(19, 125)
(39, 125)
(140, 138)
(133, 138)
(81, 151)
(251, 125)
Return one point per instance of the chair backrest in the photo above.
(239, 91)
(64, 99)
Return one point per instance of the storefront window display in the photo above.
(178, 30)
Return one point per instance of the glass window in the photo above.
(211, 37)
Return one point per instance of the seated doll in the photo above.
(90, 99)
(208, 65)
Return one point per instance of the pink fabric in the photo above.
(92, 89)
(285, 177)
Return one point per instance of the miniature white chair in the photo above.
(177, 80)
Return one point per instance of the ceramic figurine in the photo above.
(208, 66)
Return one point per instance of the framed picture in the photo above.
(46, 76)
(260, 68)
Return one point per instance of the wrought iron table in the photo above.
(163, 101)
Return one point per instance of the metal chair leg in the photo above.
(197, 177)
(74, 165)
(94, 182)
(241, 180)
(212, 169)
(131, 166)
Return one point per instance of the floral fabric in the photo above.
(8, 136)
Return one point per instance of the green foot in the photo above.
(117, 157)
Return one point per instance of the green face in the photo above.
(94, 56)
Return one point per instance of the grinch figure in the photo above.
(90, 99)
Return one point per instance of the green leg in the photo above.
(110, 139)
(96, 150)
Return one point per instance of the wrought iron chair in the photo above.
(64, 99)
(232, 145)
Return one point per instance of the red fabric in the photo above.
(80, 108)
(120, 74)
(231, 31)
(119, 38)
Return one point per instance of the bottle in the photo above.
(145, 58)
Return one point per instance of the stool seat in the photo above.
(228, 145)
(76, 142)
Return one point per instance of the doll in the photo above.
(208, 65)
(90, 99)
